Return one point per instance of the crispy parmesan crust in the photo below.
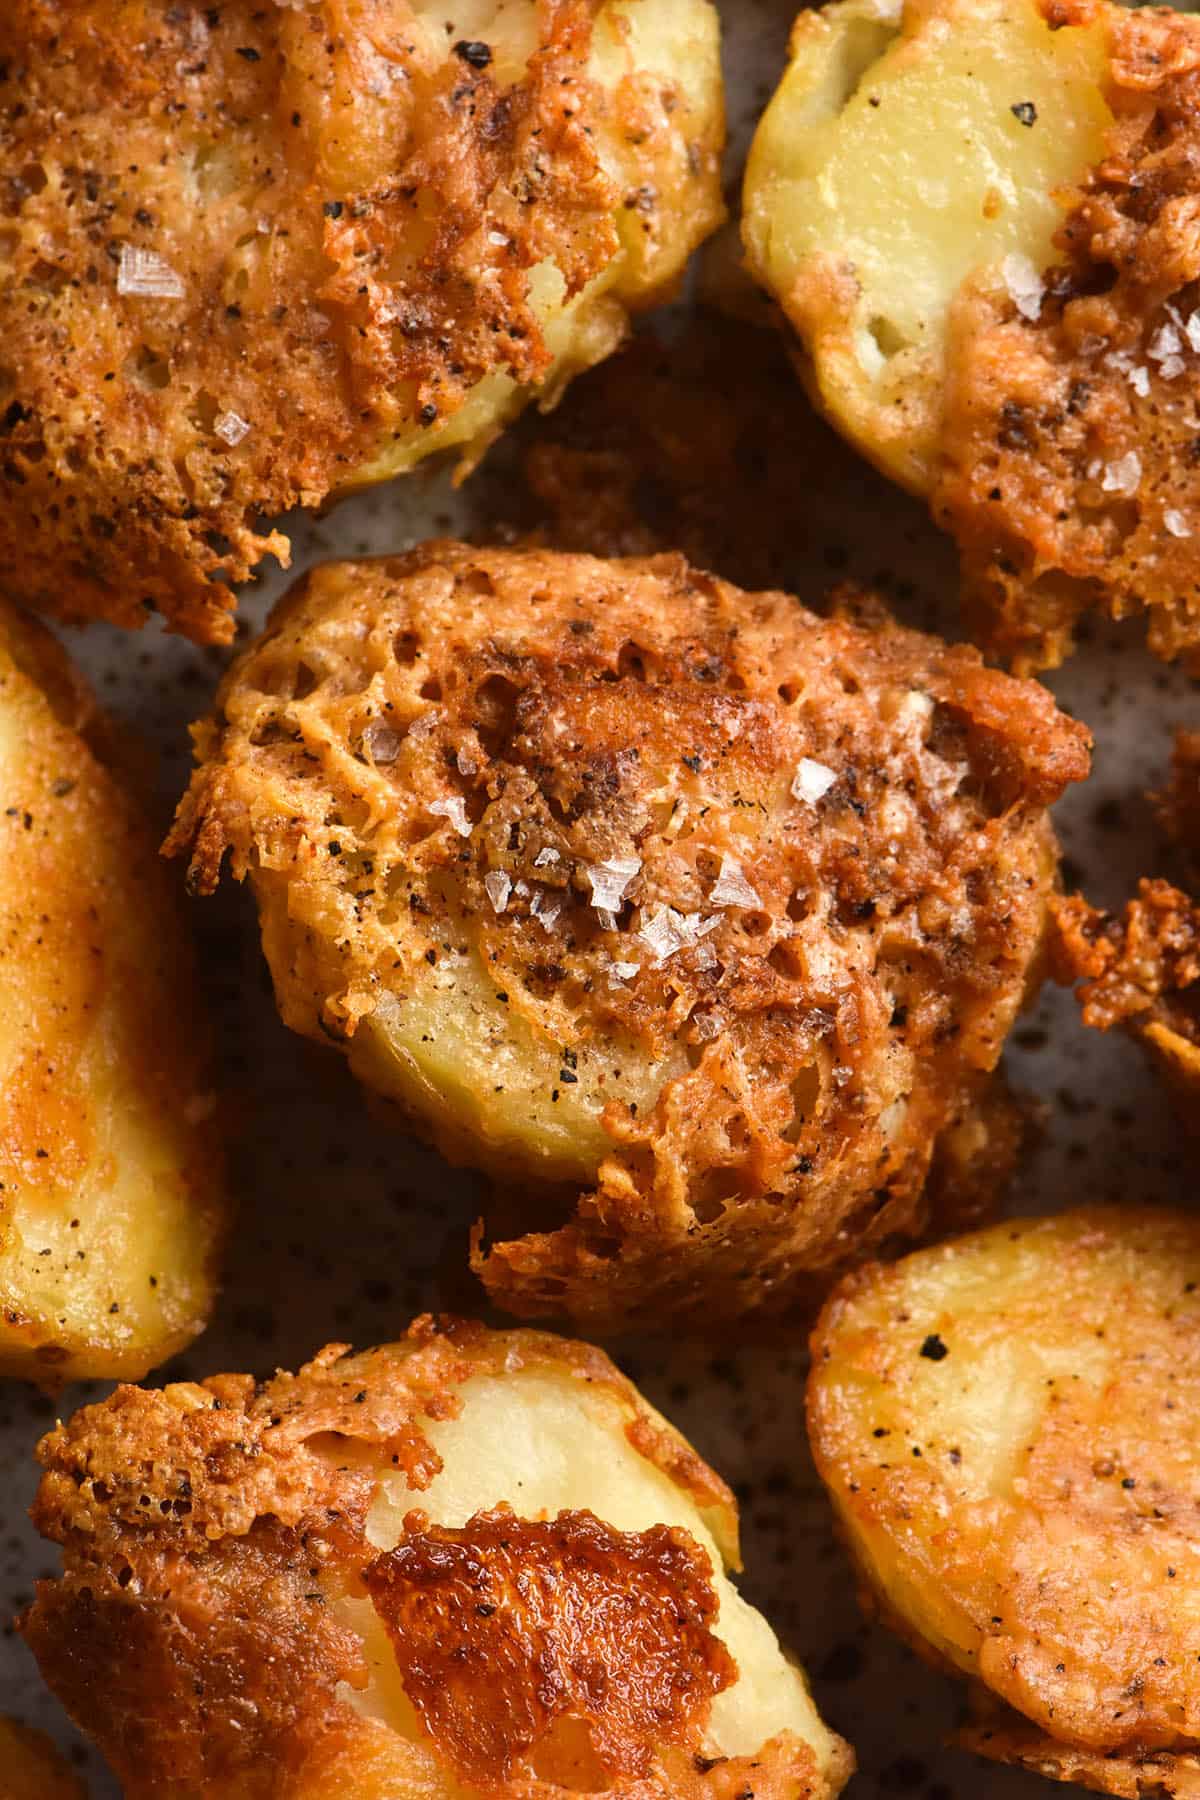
(1156, 1775)
(1140, 972)
(33, 1769)
(836, 1023)
(1068, 447)
(571, 1621)
(209, 1531)
(349, 209)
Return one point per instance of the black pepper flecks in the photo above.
(934, 1348)
(1024, 111)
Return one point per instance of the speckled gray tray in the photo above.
(346, 1231)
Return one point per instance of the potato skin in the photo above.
(1006, 1425)
(1043, 403)
(378, 243)
(743, 1103)
(111, 1205)
(224, 1570)
(32, 1767)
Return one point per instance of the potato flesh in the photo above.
(1023, 1503)
(546, 1443)
(891, 160)
(108, 1223)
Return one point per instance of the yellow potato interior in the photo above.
(1004, 1424)
(905, 151)
(545, 1443)
(109, 1193)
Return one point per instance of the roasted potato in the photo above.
(695, 919)
(977, 216)
(1007, 1428)
(110, 1183)
(1140, 971)
(468, 1563)
(256, 255)
(32, 1769)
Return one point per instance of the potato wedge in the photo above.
(1007, 1427)
(953, 203)
(256, 256)
(698, 920)
(468, 1563)
(111, 1201)
(32, 1769)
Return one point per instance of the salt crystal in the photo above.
(731, 887)
(664, 932)
(1123, 476)
(1165, 343)
(231, 427)
(466, 763)
(1024, 284)
(610, 881)
(498, 887)
(624, 971)
(454, 809)
(1139, 380)
(545, 857)
(1192, 327)
(812, 781)
(545, 908)
(382, 742)
(146, 274)
(1175, 522)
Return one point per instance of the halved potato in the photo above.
(470, 1563)
(32, 1769)
(111, 1201)
(1007, 1425)
(975, 214)
(695, 918)
(254, 256)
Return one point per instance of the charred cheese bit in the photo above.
(111, 1198)
(976, 216)
(627, 885)
(1140, 971)
(1006, 1425)
(256, 256)
(440, 1570)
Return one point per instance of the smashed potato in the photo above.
(977, 215)
(110, 1185)
(32, 1769)
(1006, 1425)
(253, 256)
(1142, 972)
(471, 1563)
(632, 887)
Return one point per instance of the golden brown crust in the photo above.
(346, 210)
(509, 1629)
(1155, 1775)
(1068, 446)
(1140, 971)
(213, 1531)
(569, 712)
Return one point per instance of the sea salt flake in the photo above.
(731, 887)
(1191, 326)
(454, 809)
(545, 857)
(665, 932)
(498, 887)
(1175, 522)
(1172, 367)
(146, 274)
(1139, 380)
(1123, 476)
(1165, 343)
(1024, 284)
(610, 881)
(231, 428)
(706, 956)
(383, 743)
(813, 780)
(545, 908)
(466, 763)
(624, 971)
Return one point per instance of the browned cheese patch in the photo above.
(556, 1649)
(246, 247)
(1071, 442)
